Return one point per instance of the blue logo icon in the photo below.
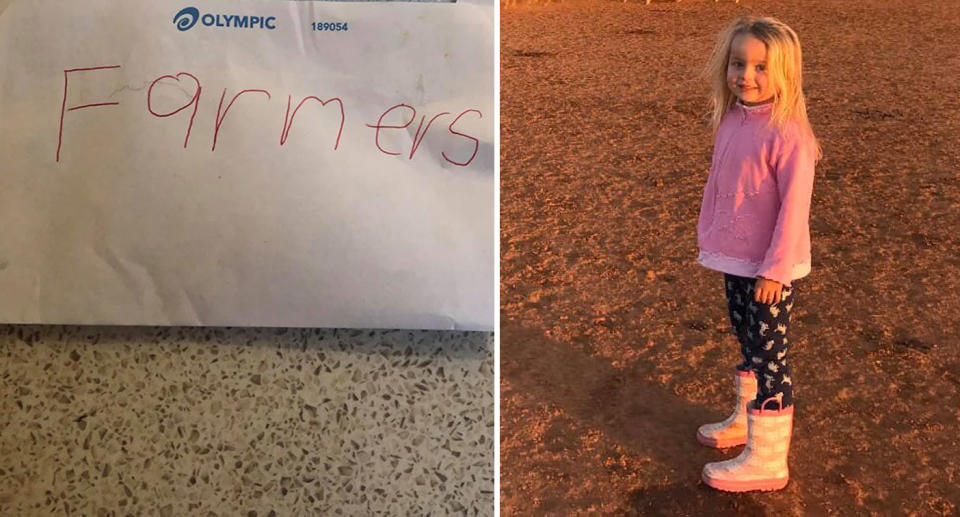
(186, 18)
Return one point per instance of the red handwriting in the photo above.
(63, 107)
(195, 101)
(286, 125)
(379, 125)
(416, 141)
(216, 129)
(418, 136)
(288, 118)
(476, 143)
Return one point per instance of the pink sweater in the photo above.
(755, 216)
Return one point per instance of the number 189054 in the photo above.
(329, 26)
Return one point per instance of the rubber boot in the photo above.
(732, 431)
(763, 463)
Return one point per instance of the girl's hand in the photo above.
(767, 291)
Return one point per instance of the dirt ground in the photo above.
(615, 342)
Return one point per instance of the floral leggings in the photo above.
(762, 332)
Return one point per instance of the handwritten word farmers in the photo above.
(335, 103)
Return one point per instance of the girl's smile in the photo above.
(747, 70)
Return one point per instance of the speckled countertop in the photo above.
(208, 421)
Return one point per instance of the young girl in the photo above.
(754, 228)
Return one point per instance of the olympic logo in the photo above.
(186, 18)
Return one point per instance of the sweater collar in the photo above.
(760, 108)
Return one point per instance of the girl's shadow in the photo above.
(687, 499)
(632, 411)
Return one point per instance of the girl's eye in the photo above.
(760, 68)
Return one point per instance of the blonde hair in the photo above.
(784, 68)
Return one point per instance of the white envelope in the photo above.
(152, 171)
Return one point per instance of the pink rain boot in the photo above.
(732, 431)
(763, 463)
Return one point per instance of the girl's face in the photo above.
(747, 70)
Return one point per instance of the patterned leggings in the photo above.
(762, 332)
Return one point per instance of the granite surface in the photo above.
(208, 421)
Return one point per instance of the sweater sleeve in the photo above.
(794, 172)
